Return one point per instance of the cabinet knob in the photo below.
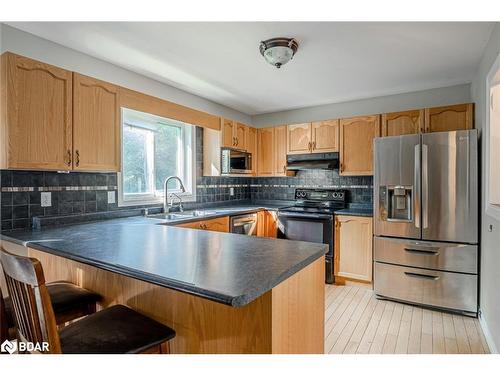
(77, 161)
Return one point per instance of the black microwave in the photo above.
(235, 162)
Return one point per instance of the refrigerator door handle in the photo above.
(416, 179)
(425, 187)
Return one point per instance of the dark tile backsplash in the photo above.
(87, 193)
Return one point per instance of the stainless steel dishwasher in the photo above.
(244, 224)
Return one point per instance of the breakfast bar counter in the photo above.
(221, 292)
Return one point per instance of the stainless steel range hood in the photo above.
(329, 161)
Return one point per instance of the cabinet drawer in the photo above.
(433, 255)
(449, 290)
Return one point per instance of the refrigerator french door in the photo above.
(426, 219)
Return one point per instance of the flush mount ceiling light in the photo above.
(278, 51)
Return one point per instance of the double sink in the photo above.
(178, 216)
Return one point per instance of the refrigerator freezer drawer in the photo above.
(424, 254)
(447, 290)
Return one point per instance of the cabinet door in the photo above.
(241, 133)
(325, 136)
(453, 117)
(355, 247)
(220, 224)
(96, 125)
(401, 123)
(267, 224)
(280, 150)
(38, 114)
(356, 144)
(227, 133)
(265, 154)
(299, 139)
(252, 147)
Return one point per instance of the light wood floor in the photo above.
(357, 322)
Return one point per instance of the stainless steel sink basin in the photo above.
(182, 215)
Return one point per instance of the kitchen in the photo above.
(336, 228)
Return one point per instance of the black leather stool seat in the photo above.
(67, 299)
(117, 329)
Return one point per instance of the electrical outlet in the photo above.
(111, 197)
(46, 199)
(231, 191)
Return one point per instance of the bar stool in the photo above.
(117, 329)
(69, 302)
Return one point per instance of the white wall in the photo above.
(490, 241)
(29, 45)
(391, 103)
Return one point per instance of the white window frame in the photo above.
(188, 142)
(490, 209)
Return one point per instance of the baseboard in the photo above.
(487, 334)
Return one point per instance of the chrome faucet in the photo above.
(166, 206)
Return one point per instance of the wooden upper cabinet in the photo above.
(227, 132)
(356, 144)
(401, 123)
(325, 136)
(37, 123)
(234, 134)
(251, 143)
(299, 139)
(241, 133)
(453, 117)
(96, 125)
(280, 150)
(265, 154)
(353, 235)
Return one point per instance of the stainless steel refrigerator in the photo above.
(426, 219)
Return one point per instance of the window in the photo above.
(154, 148)
(493, 141)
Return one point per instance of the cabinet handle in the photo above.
(421, 276)
(237, 141)
(314, 145)
(341, 167)
(284, 169)
(77, 158)
(69, 158)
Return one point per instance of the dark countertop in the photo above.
(227, 268)
(356, 211)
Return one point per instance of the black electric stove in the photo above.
(311, 219)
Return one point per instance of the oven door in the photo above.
(311, 228)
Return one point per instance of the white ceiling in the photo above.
(335, 62)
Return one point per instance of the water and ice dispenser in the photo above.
(396, 203)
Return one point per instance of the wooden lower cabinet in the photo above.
(267, 224)
(220, 224)
(353, 248)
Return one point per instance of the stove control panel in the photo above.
(320, 195)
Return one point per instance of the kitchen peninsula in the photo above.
(221, 292)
